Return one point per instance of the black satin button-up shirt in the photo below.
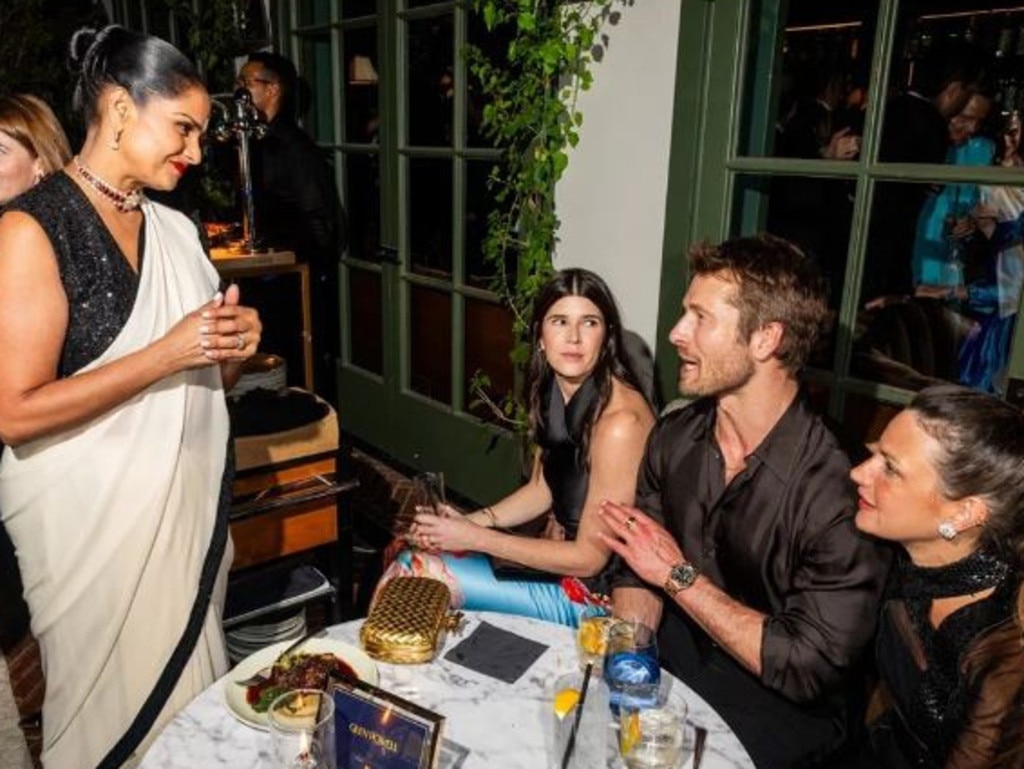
(780, 539)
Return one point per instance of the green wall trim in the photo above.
(699, 184)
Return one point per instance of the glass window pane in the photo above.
(351, 8)
(314, 12)
(430, 343)
(488, 345)
(952, 74)
(941, 288)
(430, 81)
(494, 47)
(479, 204)
(807, 79)
(362, 204)
(316, 87)
(362, 105)
(816, 214)
(367, 337)
(430, 216)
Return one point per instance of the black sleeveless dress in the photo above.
(565, 464)
(560, 437)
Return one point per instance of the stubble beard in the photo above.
(716, 380)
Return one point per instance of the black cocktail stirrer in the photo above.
(571, 744)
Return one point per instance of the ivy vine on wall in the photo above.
(531, 115)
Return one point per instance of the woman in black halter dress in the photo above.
(589, 422)
(944, 482)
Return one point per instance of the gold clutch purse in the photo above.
(408, 620)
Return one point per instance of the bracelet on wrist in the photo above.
(491, 517)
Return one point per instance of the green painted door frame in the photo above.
(699, 185)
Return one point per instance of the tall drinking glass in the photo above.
(631, 667)
(592, 636)
(589, 745)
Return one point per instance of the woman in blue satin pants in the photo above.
(589, 422)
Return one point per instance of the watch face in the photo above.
(684, 574)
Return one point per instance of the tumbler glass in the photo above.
(301, 726)
(631, 667)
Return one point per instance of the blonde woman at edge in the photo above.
(32, 146)
(115, 481)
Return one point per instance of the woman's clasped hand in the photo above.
(447, 529)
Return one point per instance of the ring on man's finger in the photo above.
(630, 523)
(241, 341)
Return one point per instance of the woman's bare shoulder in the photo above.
(22, 236)
(627, 415)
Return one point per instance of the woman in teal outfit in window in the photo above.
(589, 423)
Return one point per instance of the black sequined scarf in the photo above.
(938, 710)
(979, 571)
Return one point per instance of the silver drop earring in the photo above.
(947, 531)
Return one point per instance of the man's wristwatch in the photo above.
(680, 577)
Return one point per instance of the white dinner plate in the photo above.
(234, 694)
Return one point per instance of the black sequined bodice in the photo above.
(930, 693)
(561, 439)
(98, 281)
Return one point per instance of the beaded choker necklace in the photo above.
(123, 201)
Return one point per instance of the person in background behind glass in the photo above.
(297, 208)
(995, 297)
(32, 146)
(944, 224)
(118, 346)
(916, 130)
(944, 482)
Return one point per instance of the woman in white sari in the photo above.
(117, 347)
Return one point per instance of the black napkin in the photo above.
(495, 652)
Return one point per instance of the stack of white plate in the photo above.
(262, 371)
(246, 639)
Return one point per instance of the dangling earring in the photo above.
(116, 144)
(947, 531)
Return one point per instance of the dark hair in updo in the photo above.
(141, 64)
(981, 453)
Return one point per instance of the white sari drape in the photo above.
(113, 521)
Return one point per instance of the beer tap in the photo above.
(239, 121)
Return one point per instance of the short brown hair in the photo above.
(776, 282)
(29, 121)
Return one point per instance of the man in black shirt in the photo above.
(296, 201)
(744, 515)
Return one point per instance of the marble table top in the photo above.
(502, 725)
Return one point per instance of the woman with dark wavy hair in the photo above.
(589, 423)
(118, 347)
(945, 483)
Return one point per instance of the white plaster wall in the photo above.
(611, 200)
